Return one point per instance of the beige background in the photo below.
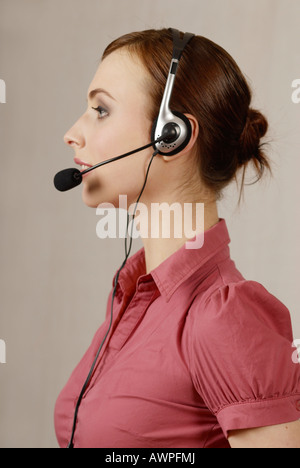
(55, 273)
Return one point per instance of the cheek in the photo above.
(121, 177)
(116, 140)
(125, 176)
(101, 145)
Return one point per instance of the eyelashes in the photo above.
(101, 111)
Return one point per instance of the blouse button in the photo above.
(298, 405)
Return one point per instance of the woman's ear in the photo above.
(194, 135)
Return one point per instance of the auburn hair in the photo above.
(210, 86)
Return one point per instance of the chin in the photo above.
(94, 198)
(89, 203)
(90, 198)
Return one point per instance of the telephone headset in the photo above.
(171, 133)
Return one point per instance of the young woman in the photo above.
(193, 355)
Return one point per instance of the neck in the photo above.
(166, 228)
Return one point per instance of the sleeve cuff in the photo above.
(259, 413)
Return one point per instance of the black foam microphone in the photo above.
(70, 178)
(67, 179)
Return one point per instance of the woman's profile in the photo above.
(191, 353)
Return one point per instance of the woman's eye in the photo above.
(101, 111)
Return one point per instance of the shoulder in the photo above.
(241, 337)
(239, 304)
(240, 357)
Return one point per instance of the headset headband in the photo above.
(168, 120)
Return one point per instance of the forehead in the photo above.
(122, 75)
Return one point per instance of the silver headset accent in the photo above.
(172, 121)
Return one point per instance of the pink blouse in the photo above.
(195, 351)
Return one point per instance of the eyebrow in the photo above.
(93, 93)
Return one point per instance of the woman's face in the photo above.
(119, 125)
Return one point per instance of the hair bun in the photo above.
(255, 128)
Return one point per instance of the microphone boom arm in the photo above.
(163, 137)
(70, 178)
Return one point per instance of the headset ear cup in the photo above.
(184, 124)
(188, 127)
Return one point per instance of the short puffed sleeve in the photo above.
(241, 358)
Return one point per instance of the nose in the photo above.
(74, 137)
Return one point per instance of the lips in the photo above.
(84, 165)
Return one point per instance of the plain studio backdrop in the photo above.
(55, 272)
